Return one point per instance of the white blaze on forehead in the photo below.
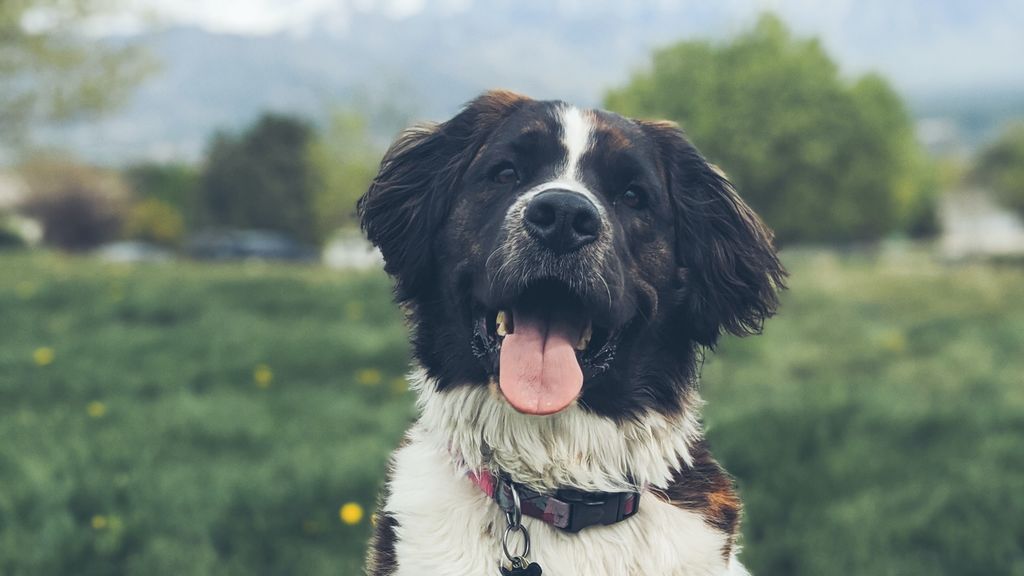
(577, 131)
(577, 139)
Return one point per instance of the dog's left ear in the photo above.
(410, 197)
(729, 270)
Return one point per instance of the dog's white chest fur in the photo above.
(447, 526)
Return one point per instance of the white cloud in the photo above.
(248, 16)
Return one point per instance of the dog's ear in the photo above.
(729, 270)
(411, 194)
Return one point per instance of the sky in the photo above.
(919, 44)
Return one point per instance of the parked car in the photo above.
(248, 245)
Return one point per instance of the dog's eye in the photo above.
(634, 197)
(505, 173)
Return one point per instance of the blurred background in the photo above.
(201, 371)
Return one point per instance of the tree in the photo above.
(263, 178)
(51, 71)
(346, 161)
(819, 158)
(1000, 166)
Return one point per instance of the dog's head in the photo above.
(567, 255)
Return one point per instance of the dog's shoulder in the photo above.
(707, 489)
(381, 558)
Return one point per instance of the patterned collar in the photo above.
(567, 509)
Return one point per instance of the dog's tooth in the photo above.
(499, 322)
(584, 341)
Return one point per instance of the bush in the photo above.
(174, 185)
(9, 238)
(78, 207)
(155, 221)
(1001, 167)
(821, 159)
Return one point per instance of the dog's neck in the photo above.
(572, 449)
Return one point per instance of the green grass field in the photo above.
(193, 419)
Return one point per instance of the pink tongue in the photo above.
(538, 372)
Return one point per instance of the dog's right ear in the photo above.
(410, 197)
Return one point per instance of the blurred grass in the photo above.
(193, 419)
(877, 427)
(189, 419)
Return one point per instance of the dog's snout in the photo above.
(562, 220)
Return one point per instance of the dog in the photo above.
(563, 271)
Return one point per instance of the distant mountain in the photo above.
(422, 66)
(976, 116)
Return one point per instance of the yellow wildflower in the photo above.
(894, 341)
(368, 376)
(99, 522)
(263, 376)
(43, 356)
(351, 513)
(96, 409)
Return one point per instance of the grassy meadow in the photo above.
(236, 419)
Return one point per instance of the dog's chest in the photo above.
(447, 526)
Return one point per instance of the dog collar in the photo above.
(567, 509)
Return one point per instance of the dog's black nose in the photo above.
(564, 221)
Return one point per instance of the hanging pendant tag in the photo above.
(521, 568)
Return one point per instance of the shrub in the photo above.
(173, 184)
(155, 221)
(9, 238)
(1001, 167)
(78, 207)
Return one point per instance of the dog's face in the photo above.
(566, 255)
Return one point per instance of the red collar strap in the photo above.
(567, 509)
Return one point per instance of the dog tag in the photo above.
(518, 569)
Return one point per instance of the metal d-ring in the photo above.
(516, 559)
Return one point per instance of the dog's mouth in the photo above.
(542, 347)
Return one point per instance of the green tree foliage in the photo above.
(49, 70)
(821, 159)
(346, 160)
(263, 178)
(174, 185)
(1001, 167)
(155, 221)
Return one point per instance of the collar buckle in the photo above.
(589, 509)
